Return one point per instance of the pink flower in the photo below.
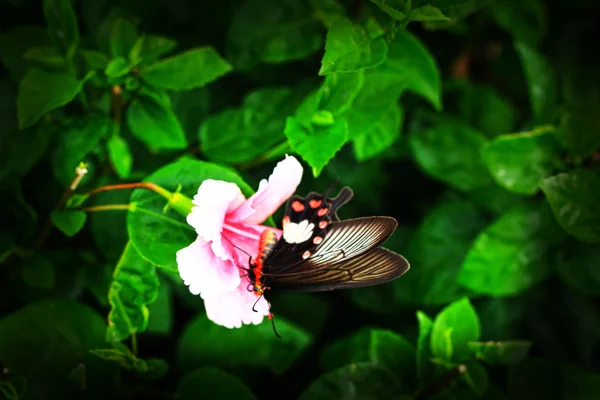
(222, 217)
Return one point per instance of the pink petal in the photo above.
(245, 238)
(213, 201)
(233, 309)
(271, 194)
(204, 272)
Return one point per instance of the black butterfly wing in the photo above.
(369, 268)
(344, 240)
(305, 225)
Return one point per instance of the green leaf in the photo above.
(511, 254)
(75, 145)
(122, 356)
(62, 25)
(541, 81)
(135, 285)
(94, 59)
(272, 33)
(68, 222)
(338, 91)
(45, 56)
(188, 70)
(573, 197)
(519, 161)
(476, 377)
(155, 46)
(205, 343)
(547, 379)
(415, 68)
(43, 341)
(237, 135)
(43, 91)
(349, 48)
(158, 237)
(577, 265)
(455, 326)
(120, 156)
(524, 20)
(384, 134)
(122, 37)
(161, 311)
(354, 382)
(509, 352)
(16, 42)
(38, 272)
(155, 125)
(379, 92)
(316, 145)
(427, 13)
(391, 8)
(327, 11)
(214, 384)
(118, 67)
(379, 346)
(449, 151)
(423, 349)
(155, 369)
(439, 248)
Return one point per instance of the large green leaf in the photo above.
(354, 382)
(45, 340)
(573, 197)
(214, 384)
(122, 37)
(453, 328)
(423, 353)
(379, 346)
(449, 151)
(519, 161)
(62, 25)
(577, 265)
(191, 69)
(205, 343)
(155, 124)
(513, 253)
(68, 221)
(385, 132)
(524, 20)
(134, 286)
(349, 48)
(272, 32)
(237, 135)
(42, 91)
(547, 379)
(438, 248)
(415, 67)
(316, 145)
(159, 236)
(15, 42)
(541, 81)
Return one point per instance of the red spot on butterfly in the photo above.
(322, 211)
(285, 221)
(315, 203)
(306, 254)
(297, 206)
(317, 239)
(323, 224)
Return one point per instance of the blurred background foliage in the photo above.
(474, 123)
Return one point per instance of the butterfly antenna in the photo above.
(240, 249)
(256, 302)
(272, 318)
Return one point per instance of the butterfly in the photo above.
(318, 252)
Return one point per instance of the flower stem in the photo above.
(136, 185)
(108, 207)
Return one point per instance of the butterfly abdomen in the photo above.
(267, 241)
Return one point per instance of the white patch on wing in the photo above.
(298, 232)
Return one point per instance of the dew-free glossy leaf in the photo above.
(120, 156)
(512, 253)
(573, 197)
(205, 343)
(68, 222)
(508, 352)
(188, 70)
(214, 384)
(393, 8)
(383, 135)
(455, 326)
(123, 36)
(423, 348)
(62, 25)
(519, 161)
(316, 145)
(45, 56)
(427, 13)
(349, 48)
(476, 377)
(449, 151)
(135, 285)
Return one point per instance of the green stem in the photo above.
(136, 185)
(108, 207)
(134, 346)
